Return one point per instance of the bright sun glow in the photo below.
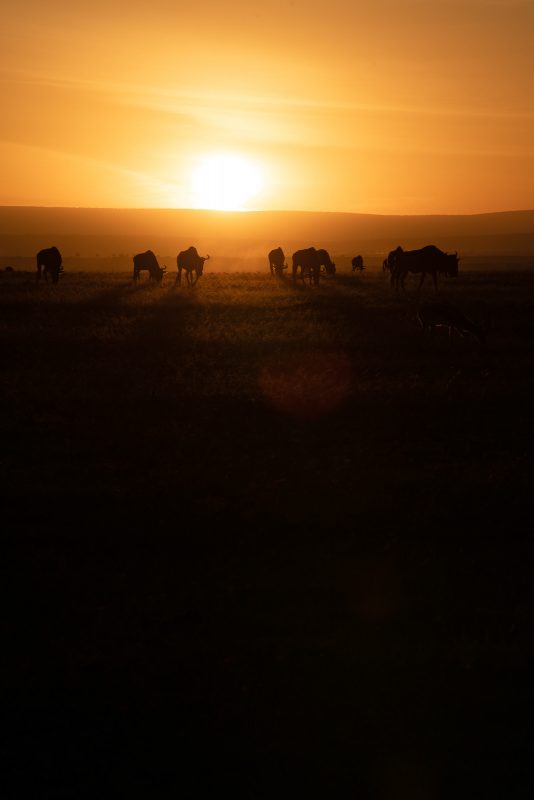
(225, 182)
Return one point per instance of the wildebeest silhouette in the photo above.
(277, 262)
(326, 262)
(148, 261)
(49, 262)
(357, 264)
(309, 263)
(428, 260)
(447, 315)
(193, 264)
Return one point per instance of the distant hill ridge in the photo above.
(23, 228)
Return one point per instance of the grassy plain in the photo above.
(266, 536)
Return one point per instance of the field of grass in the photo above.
(263, 536)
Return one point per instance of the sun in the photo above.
(225, 182)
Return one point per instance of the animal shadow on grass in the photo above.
(443, 314)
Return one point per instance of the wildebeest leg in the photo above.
(179, 276)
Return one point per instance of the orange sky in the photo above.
(388, 107)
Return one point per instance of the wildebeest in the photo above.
(326, 262)
(277, 262)
(193, 264)
(447, 315)
(309, 263)
(148, 261)
(357, 264)
(50, 262)
(428, 260)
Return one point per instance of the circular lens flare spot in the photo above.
(309, 386)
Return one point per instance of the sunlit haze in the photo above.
(389, 107)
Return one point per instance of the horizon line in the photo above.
(262, 211)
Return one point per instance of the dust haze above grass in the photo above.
(106, 239)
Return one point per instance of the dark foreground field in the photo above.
(265, 539)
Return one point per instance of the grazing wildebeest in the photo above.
(148, 261)
(193, 264)
(277, 262)
(310, 266)
(428, 260)
(50, 262)
(326, 262)
(357, 264)
(447, 315)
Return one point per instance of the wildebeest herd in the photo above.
(308, 264)
(187, 260)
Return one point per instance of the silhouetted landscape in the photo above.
(266, 533)
(267, 386)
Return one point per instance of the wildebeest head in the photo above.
(200, 265)
(330, 268)
(325, 261)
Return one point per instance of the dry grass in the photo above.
(278, 518)
(131, 385)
